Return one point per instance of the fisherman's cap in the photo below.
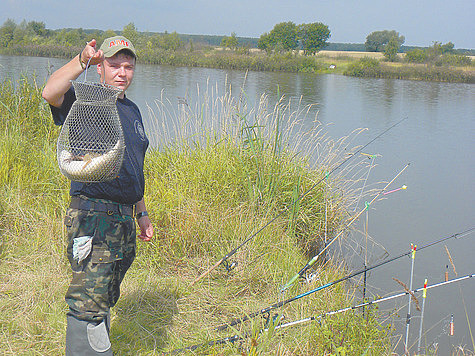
(112, 45)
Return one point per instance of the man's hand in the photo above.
(146, 228)
(89, 52)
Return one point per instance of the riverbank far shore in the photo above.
(350, 63)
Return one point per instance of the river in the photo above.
(437, 139)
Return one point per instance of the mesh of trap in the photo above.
(91, 143)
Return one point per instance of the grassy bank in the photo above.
(222, 171)
(206, 57)
(372, 68)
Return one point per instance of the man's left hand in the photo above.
(146, 228)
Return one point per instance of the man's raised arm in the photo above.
(60, 81)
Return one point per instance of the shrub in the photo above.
(363, 67)
(453, 60)
(416, 56)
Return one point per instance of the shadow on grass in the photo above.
(141, 321)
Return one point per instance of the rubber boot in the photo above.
(84, 338)
(108, 322)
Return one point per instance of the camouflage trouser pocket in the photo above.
(95, 286)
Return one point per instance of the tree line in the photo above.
(283, 37)
(278, 46)
(35, 33)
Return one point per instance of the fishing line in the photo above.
(315, 258)
(289, 300)
(443, 332)
(233, 251)
(356, 247)
(372, 158)
(234, 338)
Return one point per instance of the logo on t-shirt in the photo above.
(139, 130)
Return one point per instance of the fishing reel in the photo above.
(229, 266)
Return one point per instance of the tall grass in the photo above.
(33, 273)
(225, 169)
(219, 170)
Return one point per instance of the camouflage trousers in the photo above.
(95, 286)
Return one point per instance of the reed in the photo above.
(33, 273)
(275, 62)
(42, 50)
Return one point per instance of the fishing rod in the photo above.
(233, 251)
(424, 295)
(408, 316)
(365, 261)
(233, 338)
(351, 275)
(315, 258)
(376, 301)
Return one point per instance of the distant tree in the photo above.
(391, 49)
(74, 37)
(376, 41)
(230, 42)
(6, 32)
(170, 41)
(106, 34)
(20, 33)
(439, 48)
(264, 42)
(97, 35)
(130, 32)
(447, 48)
(313, 37)
(37, 28)
(285, 36)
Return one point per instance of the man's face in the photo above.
(117, 71)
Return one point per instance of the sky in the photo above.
(421, 22)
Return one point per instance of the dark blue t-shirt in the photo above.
(129, 186)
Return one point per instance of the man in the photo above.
(100, 220)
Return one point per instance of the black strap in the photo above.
(109, 208)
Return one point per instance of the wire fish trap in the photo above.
(91, 143)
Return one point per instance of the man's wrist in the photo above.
(141, 214)
(83, 65)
